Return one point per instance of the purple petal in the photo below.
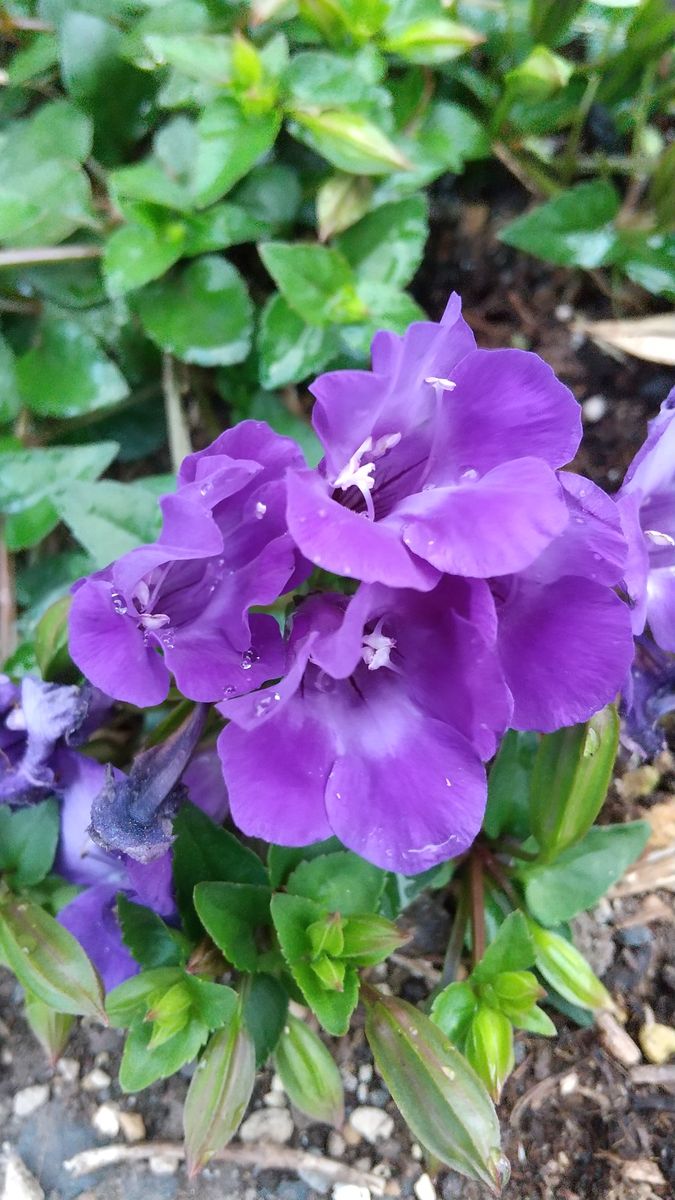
(109, 649)
(592, 543)
(653, 468)
(661, 606)
(506, 404)
(91, 919)
(491, 526)
(343, 541)
(78, 858)
(204, 781)
(151, 884)
(565, 647)
(636, 570)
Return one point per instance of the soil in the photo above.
(577, 1123)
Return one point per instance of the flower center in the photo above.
(360, 475)
(377, 648)
(658, 538)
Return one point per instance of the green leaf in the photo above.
(67, 374)
(448, 137)
(309, 1073)
(582, 873)
(47, 960)
(317, 282)
(570, 777)
(218, 1094)
(509, 785)
(51, 644)
(45, 204)
(510, 950)
(129, 1001)
(231, 913)
(350, 141)
(340, 882)
(218, 227)
(230, 143)
(35, 60)
(137, 253)
(151, 941)
(439, 1095)
(10, 400)
(265, 1010)
(109, 518)
(143, 1065)
(387, 246)
(201, 56)
(574, 229)
(550, 19)
(270, 194)
(28, 840)
(211, 1003)
(290, 350)
(453, 1010)
(52, 1029)
(55, 130)
(203, 852)
(29, 476)
(282, 860)
(292, 915)
(202, 313)
(28, 527)
(385, 308)
(649, 260)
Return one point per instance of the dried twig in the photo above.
(176, 422)
(262, 1156)
(33, 255)
(7, 602)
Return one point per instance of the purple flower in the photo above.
(377, 732)
(648, 697)
(38, 721)
(441, 459)
(647, 505)
(564, 636)
(223, 549)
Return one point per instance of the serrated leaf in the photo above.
(203, 852)
(231, 913)
(292, 915)
(282, 860)
(265, 1009)
(510, 950)
(143, 1065)
(340, 882)
(28, 840)
(509, 784)
(151, 941)
(129, 1001)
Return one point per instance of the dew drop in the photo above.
(118, 603)
(448, 782)
(167, 639)
(260, 510)
(472, 473)
(229, 691)
(597, 557)
(248, 658)
(206, 488)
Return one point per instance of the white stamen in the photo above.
(360, 475)
(377, 648)
(440, 384)
(152, 621)
(16, 720)
(658, 538)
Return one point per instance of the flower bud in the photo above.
(169, 1012)
(567, 971)
(330, 972)
(326, 936)
(489, 1048)
(370, 939)
(309, 1074)
(513, 993)
(51, 1028)
(218, 1094)
(341, 201)
(438, 1093)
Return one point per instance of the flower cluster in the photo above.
(475, 592)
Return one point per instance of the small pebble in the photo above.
(372, 1123)
(564, 312)
(366, 1072)
(274, 1099)
(350, 1191)
(29, 1099)
(638, 935)
(6, 1057)
(96, 1080)
(268, 1125)
(68, 1069)
(362, 1093)
(132, 1126)
(424, 1188)
(335, 1144)
(594, 409)
(161, 1165)
(416, 1152)
(106, 1120)
(18, 1183)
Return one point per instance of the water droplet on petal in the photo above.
(260, 510)
(229, 691)
(206, 488)
(472, 473)
(118, 603)
(248, 658)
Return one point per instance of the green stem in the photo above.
(453, 953)
(477, 895)
(580, 116)
(179, 436)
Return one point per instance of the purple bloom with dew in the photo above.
(181, 606)
(378, 731)
(39, 723)
(441, 459)
(647, 505)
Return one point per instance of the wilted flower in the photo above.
(647, 505)
(440, 459)
(649, 696)
(223, 549)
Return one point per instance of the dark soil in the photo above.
(576, 1124)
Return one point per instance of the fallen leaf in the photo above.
(649, 338)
